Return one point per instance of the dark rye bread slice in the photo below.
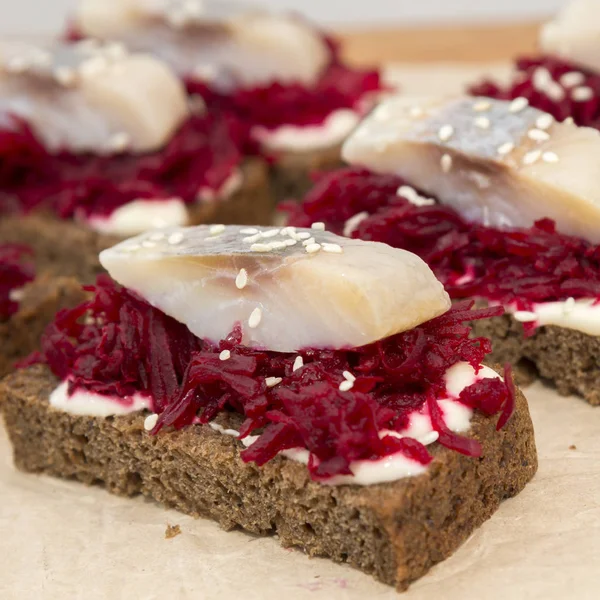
(394, 531)
(569, 359)
(41, 300)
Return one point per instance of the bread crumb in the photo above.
(172, 531)
(572, 447)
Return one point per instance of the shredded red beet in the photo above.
(517, 267)
(15, 272)
(585, 113)
(202, 154)
(116, 343)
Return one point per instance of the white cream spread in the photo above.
(141, 215)
(581, 315)
(91, 404)
(332, 132)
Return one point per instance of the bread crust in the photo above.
(393, 531)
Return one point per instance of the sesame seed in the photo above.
(505, 149)
(446, 163)
(318, 225)
(569, 121)
(303, 235)
(93, 66)
(346, 385)
(555, 91)
(348, 376)
(273, 381)
(333, 248)
(249, 231)
(242, 279)
(482, 122)
(445, 132)
(538, 135)
(175, 238)
(582, 94)
(532, 157)
(413, 196)
(550, 157)
(255, 318)
(541, 79)
(119, 141)
(261, 248)
(572, 79)
(312, 248)
(290, 242)
(353, 222)
(150, 422)
(64, 75)
(298, 363)
(482, 106)
(544, 122)
(309, 241)
(225, 355)
(269, 233)
(569, 305)
(253, 238)
(278, 245)
(216, 229)
(518, 104)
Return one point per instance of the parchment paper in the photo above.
(61, 540)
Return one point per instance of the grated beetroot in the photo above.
(515, 267)
(117, 344)
(586, 113)
(15, 272)
(202, 154)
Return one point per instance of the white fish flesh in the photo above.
(574, 34)
(91, 98)
(289, 289)
(498, 163)
(223, 42)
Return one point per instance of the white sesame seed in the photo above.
(312, 248)
(261, 248)
(64, 75)
(278, 245)
(309, 241)
(582, 94)
(532, 157)
(290, 242)
(119, 141)
(482, 123)
(538, 135)
(92, 66)
(550, 157)
(333, 248)
(445, 132)
(175, 238)
(346, 385)
(150, 422)
(555, 91)
(216, 229)
(446, 163)
(353, 222)
(318, 225)
(242, 279)
(225, 355)
(298, 363)
(269, 233)
(413, 196)
(255, 318)
(505, 149)
(249, 231)
(273, 381)
(572, 79)
(569, 121)
(303, 235)
(348, 376)
(518, 104)
(568, 306)
(482, 106)
(544, 122)
(253, 238)
(541, 79)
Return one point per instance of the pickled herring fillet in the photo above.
(499, 163)
(224, 43)
(89, 97)
(288, 288)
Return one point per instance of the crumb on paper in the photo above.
(172, 531)
(572, 447)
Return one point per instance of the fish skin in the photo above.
(227, 44)
(133, 95)
(500, 189)
(321, 300)
(574, 34)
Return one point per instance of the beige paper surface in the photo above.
(61, 540)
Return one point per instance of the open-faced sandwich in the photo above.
(503, 203)
(285, 381)
(277, 72)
